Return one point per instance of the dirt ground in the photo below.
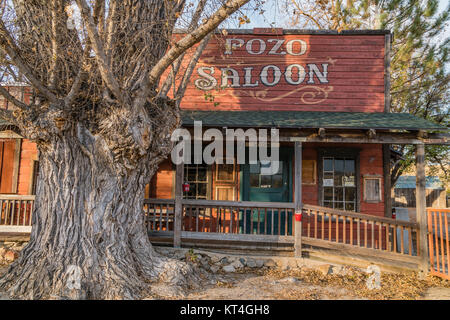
(273, 284)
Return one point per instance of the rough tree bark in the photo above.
(88, 214)
(101, 130)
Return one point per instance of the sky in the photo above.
(275, 16)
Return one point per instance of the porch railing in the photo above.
(360, 230)
(438, 241)
(16, 213)
(232, 217)
(225, 217)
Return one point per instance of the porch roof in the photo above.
(309, 119)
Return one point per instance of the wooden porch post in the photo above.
(298, 198)
(421, 208)
(178, 205)
(387, 180)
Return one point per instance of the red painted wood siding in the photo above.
(355, 65)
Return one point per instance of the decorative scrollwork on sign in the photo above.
(310, 94)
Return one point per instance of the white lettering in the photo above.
(278, 43)
(262, 46)
(207, 81)
(301, 74)
(290, 44)
(248, 78)
(234, 77)
(314, 70)
(276, 75)
(229, 45)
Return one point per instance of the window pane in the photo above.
(201, 189)
(328, 204)
(202, 174)
(349, 166)
(254, 180)
(327, 164)
(224, 172)
(254, 168)
(328, 194)
(349, 206)
(338, 178)
(339, 194)
(339, 165)
(266, 181)
(339, 205)
(350, 194)
(191, 174)
(277, 181)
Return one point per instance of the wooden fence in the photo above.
(360, 230)
(271, 222)
(438, 241)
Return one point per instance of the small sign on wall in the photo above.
(328, 182)
(348, 181)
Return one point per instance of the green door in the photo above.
(268, 188)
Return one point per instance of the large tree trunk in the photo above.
(88, 237)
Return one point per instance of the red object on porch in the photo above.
(186, 187)
(298, 217)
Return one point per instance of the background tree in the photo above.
(102, 125)
(420, 79)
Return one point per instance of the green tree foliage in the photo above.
(419, 58)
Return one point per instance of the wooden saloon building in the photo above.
(328, 95)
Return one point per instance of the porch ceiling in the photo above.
(309, 119)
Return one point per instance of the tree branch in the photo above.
(175, 68)
(11, 99)
(190, 39)
(100, 55)
(7, 114)
(8, 46)
(190, 68)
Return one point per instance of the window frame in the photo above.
(339, 153)
(372, 177)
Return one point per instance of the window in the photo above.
(339, 187)
(372, 191)
(197, 177)
(225, 172)
(261, 180)
(308, 171)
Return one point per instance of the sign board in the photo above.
(279, 71)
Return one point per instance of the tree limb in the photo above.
(197, 35)
(175, 68)
(100, 55)
(8, 46)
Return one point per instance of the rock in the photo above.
(324, 269)
(251, 263)
(214, 269)
(289, 280)
(259, 263)
(242, 260)
(229, 268)
(10, 255)
(269, 263)
(224, 261)
(237, 264)
(215, 259)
